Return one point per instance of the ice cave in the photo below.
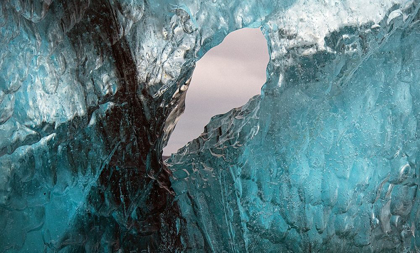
(323, 160)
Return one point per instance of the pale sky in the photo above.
(226, 77)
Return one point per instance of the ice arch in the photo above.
(226, 77)
(90, 91)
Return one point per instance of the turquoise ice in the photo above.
(324, 160)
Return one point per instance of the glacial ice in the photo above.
(325, 159)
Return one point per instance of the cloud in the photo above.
(225, 78)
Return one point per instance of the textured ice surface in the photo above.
(326, 159)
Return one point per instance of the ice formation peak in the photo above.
(326, 159)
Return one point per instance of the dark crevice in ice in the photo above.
(132, 196)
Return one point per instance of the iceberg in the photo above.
(325, 159)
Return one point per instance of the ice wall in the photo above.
(325, 159)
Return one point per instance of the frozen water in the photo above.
(325, 159)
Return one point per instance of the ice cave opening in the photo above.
(239, 61)
(326, 159)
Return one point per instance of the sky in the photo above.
(226, 77)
